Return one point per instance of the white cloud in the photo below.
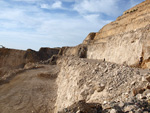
(45, 6)
(57, 4)
(26, 0)
(94, 18)
(68, 0)
(108, 7)
(10, 14)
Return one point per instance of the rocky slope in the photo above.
(108, 73)
(97, 82)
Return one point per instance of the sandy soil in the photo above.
(30, 91)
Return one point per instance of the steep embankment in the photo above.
(131, 48)
(125, 40)
(97, 82)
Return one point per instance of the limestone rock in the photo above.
(124, 40)
(113, 111)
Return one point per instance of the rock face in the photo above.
(78, 51)
(12, 59)
(125, 40)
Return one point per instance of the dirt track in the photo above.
(32, 91)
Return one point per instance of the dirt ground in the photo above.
(32, 91)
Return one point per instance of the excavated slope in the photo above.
(13, 59)
(125, 40)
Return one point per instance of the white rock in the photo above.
(110, 88)
(148, 95)
(78, 111)
(121, 104)
(131, 112)
(144, 79)
(128, 108)
(139, 96)
(113, 111)
(133, 83)
(105, 102)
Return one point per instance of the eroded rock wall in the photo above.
(77, 51)
(125, 40)
(11, 58)
(129, 48)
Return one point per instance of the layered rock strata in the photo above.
(125, 40)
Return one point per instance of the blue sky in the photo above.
(54, 23)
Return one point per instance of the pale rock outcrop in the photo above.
(125, 40)
(128, 47)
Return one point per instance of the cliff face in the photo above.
(12, 59)
(132, 19)
(131, 48)
(125, 40)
